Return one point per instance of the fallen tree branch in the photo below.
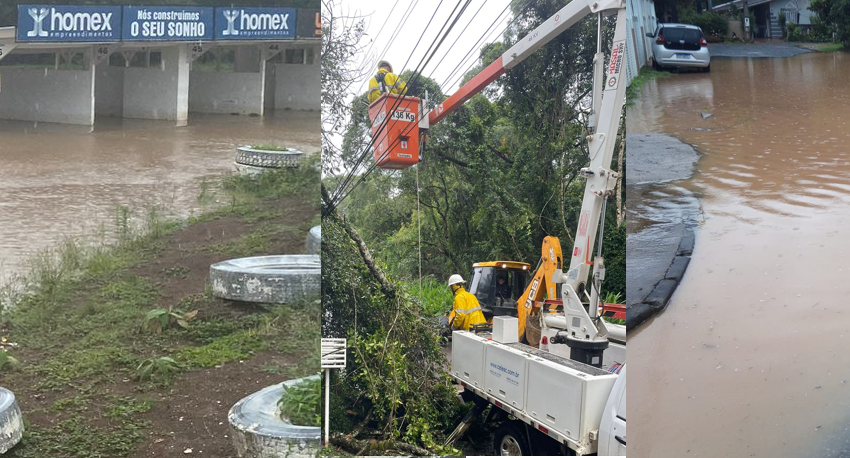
(357, 429)
(352, 444)
(376, 271)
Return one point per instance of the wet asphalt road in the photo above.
(661, 213)
(769, 49)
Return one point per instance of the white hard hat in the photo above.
(384, 63)
(455, 279)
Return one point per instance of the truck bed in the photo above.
(563, 399)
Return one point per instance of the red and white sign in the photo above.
(582, 224)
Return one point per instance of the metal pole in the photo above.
(327, 407)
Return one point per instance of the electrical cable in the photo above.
(475, 45)
(417, 73)
(336, 194)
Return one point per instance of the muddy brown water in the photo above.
(60, 181)
(750, 358)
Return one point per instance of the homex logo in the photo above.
(263, 21)
(67, 22)
(231, 16)
(38, 16)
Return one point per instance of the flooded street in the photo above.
(59, 181)
(749, 358)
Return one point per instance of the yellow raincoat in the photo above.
(466, 310)
(392, 82)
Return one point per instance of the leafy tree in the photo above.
(836, 14)
(499, 174)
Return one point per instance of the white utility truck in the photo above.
(562, 402)
(558, 406)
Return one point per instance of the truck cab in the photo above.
(496, 299)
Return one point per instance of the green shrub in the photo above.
(7, 361)
(157, 369)
(270, 147)
(794, 32)
(301, 404)
(820, 31)
(782, 23)
(158, 320)
(712, 24)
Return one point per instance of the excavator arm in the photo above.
(541, 284)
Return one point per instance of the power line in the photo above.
(417, 73)
(458, 76)
(404, 17)
(336, 195)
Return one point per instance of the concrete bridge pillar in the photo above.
(63, 94)
(240, 91)
(159, 92)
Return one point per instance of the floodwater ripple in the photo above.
(749, 358)
(60, 181)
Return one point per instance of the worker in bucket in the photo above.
(385, 81)
(466, 310)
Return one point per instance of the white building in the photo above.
(640, 18)
(766, 14)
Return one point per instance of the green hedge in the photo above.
(712, 24)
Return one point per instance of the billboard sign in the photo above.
(169, 23)
(309, 23)
(255, 23)
(52, 23)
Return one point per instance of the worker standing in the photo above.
(466, 309)
(385, 81)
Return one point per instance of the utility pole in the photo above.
(747, 33)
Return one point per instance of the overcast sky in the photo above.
(461, 39)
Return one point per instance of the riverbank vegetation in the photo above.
(498, 175)
(122, 351)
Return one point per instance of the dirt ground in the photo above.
(109, 413)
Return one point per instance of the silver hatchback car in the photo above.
(680, 45)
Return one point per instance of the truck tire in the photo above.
(258, 431)
(314, 240)
(11, 423)
(267, 279)
(271, 159)
(510, 440)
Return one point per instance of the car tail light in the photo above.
(660, 40)
(702, 42)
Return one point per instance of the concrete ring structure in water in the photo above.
(11, 421)
(267, 279)
(290, 158)
(314, 240)
(259, 432)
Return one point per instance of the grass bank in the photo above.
(646, 74)
(95, 379)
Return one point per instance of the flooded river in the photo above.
(750, 357)
(59, 181)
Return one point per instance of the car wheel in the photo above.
(510, 440)
(656, 66)
(707, 69)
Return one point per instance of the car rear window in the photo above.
(675, 34)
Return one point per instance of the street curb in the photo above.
(661, 293)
